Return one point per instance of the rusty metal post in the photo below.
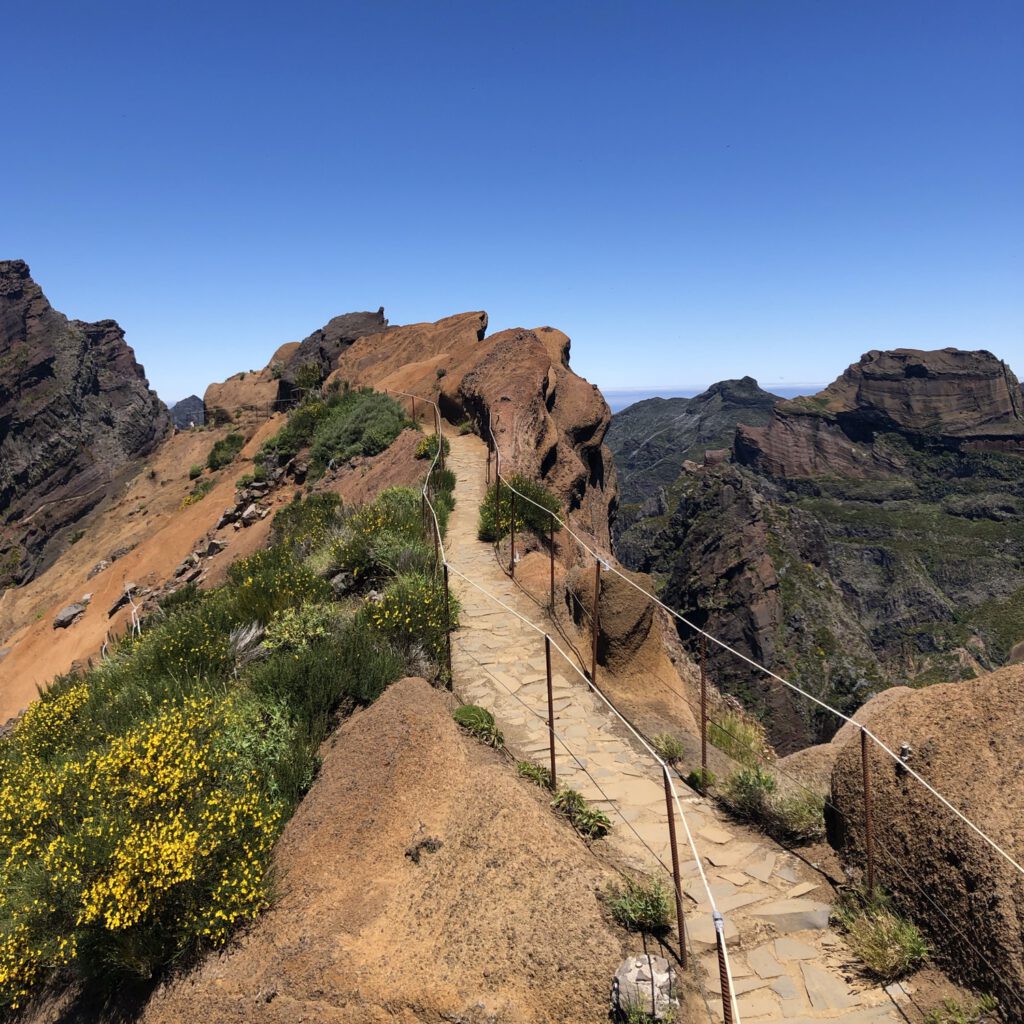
(551, 712)
(596, 619)
(440, 437)
(676, 881)
(869, 821)
(703, 711)
(448, 628)
(552, 563)
(497, 496)
(437, 549)
(723, 971)
(488, 466)
(414, 409)
(423, 508)
(512, 528)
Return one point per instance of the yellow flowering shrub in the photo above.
(136, 851)
(411, 611)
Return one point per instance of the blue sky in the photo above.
(691, 190)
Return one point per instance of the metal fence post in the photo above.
(703, 712)
(488, 466)
(552, 563)
(676, 881)
(512, 527)
(440, 437)
(551, 711)
(414, 419)
(596, 618)
(869, 821)
(723, 970)
(448, 628)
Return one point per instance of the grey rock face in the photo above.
(188, 412)
(75, 410)
(68, 616)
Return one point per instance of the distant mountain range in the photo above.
(619, 399)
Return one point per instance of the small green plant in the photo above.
(291, 629)
(742, 738)
(195, 471)
(953, 1011)
(200, 491)
(532, 514)
(76, 536)
(588, 821)
(276, 369)
(749, 790)
(427, 446)
(701, 780)
(224, 451)
(799, 814)
(479, 722)
(640, 905)
(465, 427)
(309, 376)
(669, 749)
(535, 773)
(889, 945)
(440, 372)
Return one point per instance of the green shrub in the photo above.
(465, 427)
(535, 773)
(291, 629)
(701, 780)
(411, 612)
(797, 813)
(639, 905)
(358, 423)
(587, 820)
(889, 945)
(225, 451)
(309, 376)
(195, 470)
(495, 515)
(742, 738)
(749, 790)
(479, 722)
(270, 581)
(427, 446)
(668, 748)
(200, 491)
(307, 523)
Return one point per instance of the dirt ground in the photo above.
(503, 923)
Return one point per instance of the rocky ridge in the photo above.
(865, 536)
(76, 413)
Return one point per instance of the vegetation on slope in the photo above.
(139, 803)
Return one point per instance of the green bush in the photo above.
(587, 820)
(291, 629)
(889, 945)
(668, 748)
(427, 447)
(495, 515)
(309, 376)
(953, 1011)
(739, 736)
(639, 905)
(701, 780)
(307, 523)
(225, 451)
(195, 471)
(797, 813)
(200, 491)
(358, 423)
(479, 722)
(535, 773)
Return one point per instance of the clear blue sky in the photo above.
(691, 190)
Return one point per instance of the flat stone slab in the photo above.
(788, 949)
(794, 915)
(825, 991)
(764, 963)
(758, 1006)
(716, 835)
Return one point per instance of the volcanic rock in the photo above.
(68, 616)
(75, 412)
(189, 412)
(968, 742)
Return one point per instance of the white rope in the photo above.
(761, 668)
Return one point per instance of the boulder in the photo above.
(68, 616)
(647, 983)
(626, 616)
(967, 740)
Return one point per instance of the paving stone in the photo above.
(764, 964)
(736, 877)
(715, 835)
(758, 1006)
(788, 949)
(825, 991)
(785, 988)
(801, 890)
(761, 869)
(794, 915)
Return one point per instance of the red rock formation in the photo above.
(960, 400)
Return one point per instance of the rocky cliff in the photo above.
(75, 411)
(866, 536)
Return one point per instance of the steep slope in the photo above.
(863, 537)
(75, 413)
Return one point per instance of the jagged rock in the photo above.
(75, 411)
(120, 552)
(189, 562)
(68, 616)
(86, 599)
(189, 412)
(249, 516)
(98, 568)
(647, 983)
(342, 583)
(124, 599)
(625, 621)
(214, 547)
(228, 516)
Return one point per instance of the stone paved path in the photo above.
(787, 963)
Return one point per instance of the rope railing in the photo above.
(730, 1009)
(608, 563)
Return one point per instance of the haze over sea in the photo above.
(621, 398)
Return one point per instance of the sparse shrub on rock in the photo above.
(496, 511)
